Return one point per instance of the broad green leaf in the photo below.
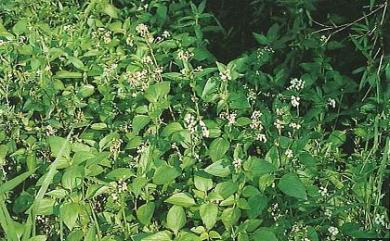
(60, 147)
(219, 169)
(258, 167)
(291, 185)
(3, 154)
(11, 184)
(218, 148)
(226, 189)
(145, 213)
(230, 216)
(64, 74)
(171, 128)
(176, 218)
(38, 238)
(86, 91)
(120, 174)
(20, 27)
(69, 213)
(72, 177)
(110, 10)
(209, 213)
(165, 174)
(159, 236)
(157, 91)
(76, 62)
(139, 122)
(265, 234)
(181, 199)
(203, 183)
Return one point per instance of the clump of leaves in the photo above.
(118, 123)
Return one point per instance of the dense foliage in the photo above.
(136, 120)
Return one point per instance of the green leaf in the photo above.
(38, 238)
(64, 74)
(337, 138)
(226, 189)
(219, 169)
(181, 199)
(72, 177)
(203, 183)
(76, 62)
(139, 122)
(20, 27)
(159, 236)
(208, 214)
(292, 186)
(230, 216)
(86, 91)
(218, 148)
(145, 213)
(165, 174)
(120, 174)
(3, 154)
(258, 167)
(157, 91)
(176, 218)
(265, 234)
(60, 147)
(11, 184)
(69, 212)
(110, 10)
(171, 128)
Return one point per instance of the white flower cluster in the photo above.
(289, 153)
(231, 118)
(296, 84)
(295, 101)
(205, 131)
(333, 232)
(225, 75)
(279, 124)
(191, 124)
(323, 191)
(184, 55)
(166, 34)
(256, 121)
(142, 29)
(138, 79)
(379, 220)
(332, 103)
(265, 50)
(237, 163)
(295, 125)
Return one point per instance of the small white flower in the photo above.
(205, 131)
(237, 163)
(295, 101)
(379, 219)
(166, 34)
(323, 38)
(296, 84)
(289, 153)
(333, 231)
(261, 137)
(142, 29)
(232, 118)
(279, 124)
(332, 103)
(323, 191)
(295, 125)
(184, 55)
